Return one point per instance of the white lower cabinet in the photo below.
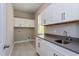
(38, 46)
(45, 48)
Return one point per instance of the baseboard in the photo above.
(11, 50)
(17, 42)
(22, 41)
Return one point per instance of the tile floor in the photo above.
(24, 49)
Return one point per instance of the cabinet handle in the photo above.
(55, 54)
(44, 21)
(38, 44)
(63, 16)
(6, 46)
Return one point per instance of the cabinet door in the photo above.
(71, 11)
(16, 24)
(46, 50)
(31, 23)
(26, 23)
(43, 17)
(47, 15)
(50, 49)
(52, 14)
(38, 45)
(19, 22)
(56, 53)
(60, 12)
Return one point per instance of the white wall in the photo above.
(71, 28)
(23, 33)
(39, 12)
(23, 14)
(9, 26)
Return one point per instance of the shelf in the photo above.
(64, 22)
(25, 27)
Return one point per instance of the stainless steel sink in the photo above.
(62, 41)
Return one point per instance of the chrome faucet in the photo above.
(66, 36)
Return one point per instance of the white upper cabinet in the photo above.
(20, 22)
(60, 12)
(71, 11)
(52, 14)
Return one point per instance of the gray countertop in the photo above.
(73, 46)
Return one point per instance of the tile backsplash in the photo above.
(72, 29)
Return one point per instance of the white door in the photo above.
(2, 29)
(6, 28)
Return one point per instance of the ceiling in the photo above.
(27, 7)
